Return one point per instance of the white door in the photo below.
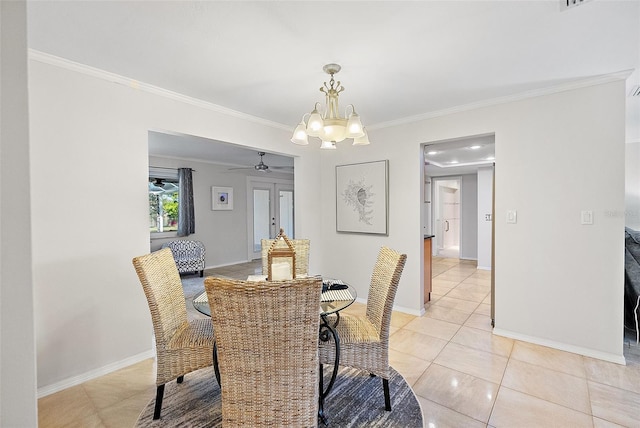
(446, 216)
(270, 208)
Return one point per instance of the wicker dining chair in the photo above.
(364, 340)
(182, 346)
(267, 350)
(301, 246)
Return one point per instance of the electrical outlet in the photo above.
(586, 217)
(487, 217)
(512, 216)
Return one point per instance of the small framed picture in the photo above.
(221, 198)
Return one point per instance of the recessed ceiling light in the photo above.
(432, 152)
(453, 161)
(490, 158)
(476, 147)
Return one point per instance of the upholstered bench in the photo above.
(188, 255)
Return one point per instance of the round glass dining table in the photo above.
(331, 301)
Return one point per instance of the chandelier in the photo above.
(329, 127)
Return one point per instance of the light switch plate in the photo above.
(586, 217)
(512, 216)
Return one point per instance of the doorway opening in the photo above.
(457, 213)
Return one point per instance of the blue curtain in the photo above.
(186, 213)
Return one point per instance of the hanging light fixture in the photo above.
(329, 126)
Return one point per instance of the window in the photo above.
(163, 200)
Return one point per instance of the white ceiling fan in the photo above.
(263, 167)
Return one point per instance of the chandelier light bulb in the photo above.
(300, 135)
(354, 125)
(363, 140)
(328, 145)
(315, 123)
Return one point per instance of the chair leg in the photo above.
(158, 407)
(201, 273)
(387, 396)
(216, 368)
(180, 379)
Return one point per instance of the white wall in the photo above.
(91, 314)
(352, 256)
(17, 347)
(485, 183)
(468, 215)
(558, 283)
(632, 185)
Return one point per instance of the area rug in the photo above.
(192, 286)
(356, 400)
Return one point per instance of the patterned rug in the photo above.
(356, 400)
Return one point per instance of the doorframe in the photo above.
(251, 180)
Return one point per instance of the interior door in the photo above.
(446, 216)
(284, 206)
(270, 208)
(450, 217)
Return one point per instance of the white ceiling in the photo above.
(217, 152)
(461, 156)
(400, 60)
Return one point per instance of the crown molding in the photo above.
(576, 84)
(156, 90)
(116, 78)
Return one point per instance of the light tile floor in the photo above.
(463, 375)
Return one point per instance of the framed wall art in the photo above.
(221, 198)
(362, 203)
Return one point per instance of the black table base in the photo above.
(326, 332)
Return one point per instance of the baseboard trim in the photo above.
(606, 356)
(227, 264)
(484, 268)
(415, 312)
(101, 371)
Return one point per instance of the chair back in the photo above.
(189, 255)
(185, 248)
(267, 344)
(162, 286)
(301, 246)
(382, 290)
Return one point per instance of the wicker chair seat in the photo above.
(175, 363)
(353, 329)
(371, 357)
(194, 334)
